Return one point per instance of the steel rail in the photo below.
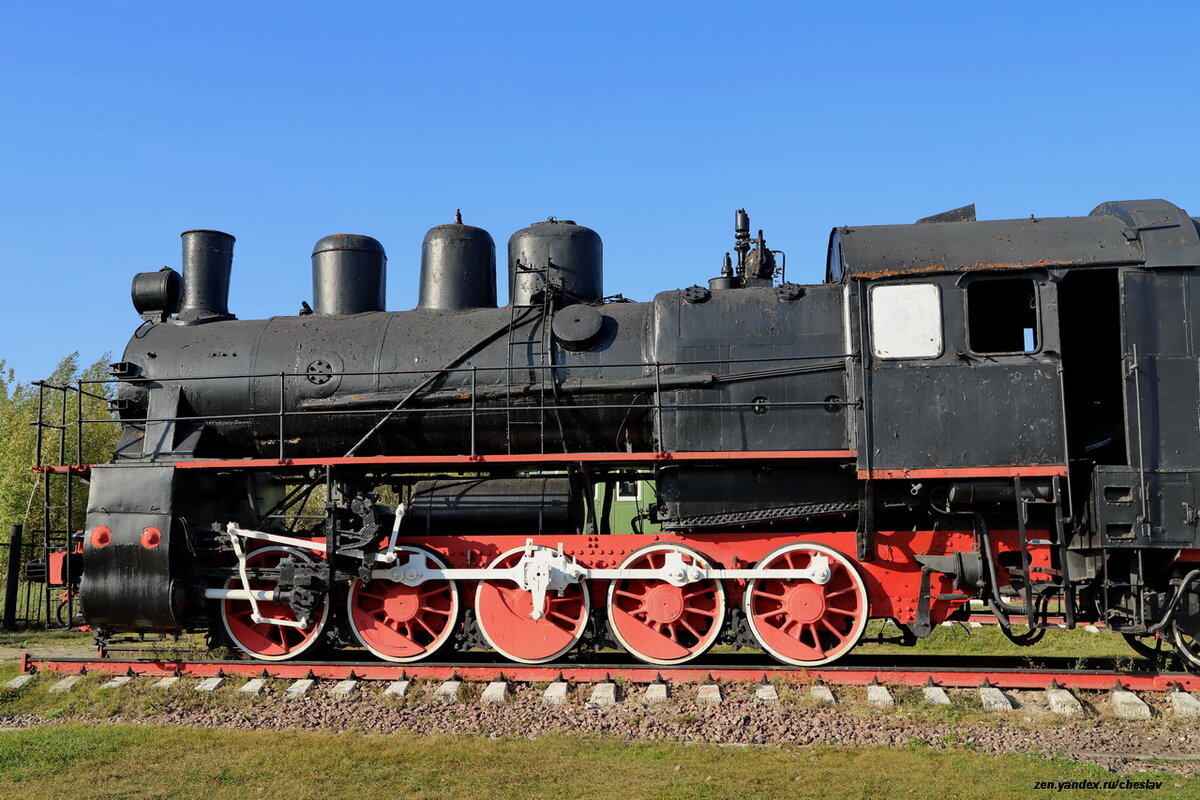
(1014, 677)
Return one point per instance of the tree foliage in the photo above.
(18, 440)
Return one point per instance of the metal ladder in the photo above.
(1061, 585)
(58, 506)
(536, 365)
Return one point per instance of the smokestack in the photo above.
(207, 262)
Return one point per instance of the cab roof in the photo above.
(1155, 233)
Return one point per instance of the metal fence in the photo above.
(29, 601)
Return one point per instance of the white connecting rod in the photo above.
(540, 570)
(259, 595)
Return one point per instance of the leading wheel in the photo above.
(804, 623)
(504, 613)
(661, 623)
(403, 623)
(1185, 636)
(1150, 647)
(262, 640)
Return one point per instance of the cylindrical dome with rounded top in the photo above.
(569, 256)
(349, 275)
(458, 269)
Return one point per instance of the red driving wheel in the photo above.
(659, 622)
(801, 622)
(504, 613)
(262, 640)
(403, 623)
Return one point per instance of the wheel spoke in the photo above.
(434, 592)
(816, 637)
(569, 620)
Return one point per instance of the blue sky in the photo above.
(123, 124)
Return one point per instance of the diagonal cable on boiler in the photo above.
(508, 327)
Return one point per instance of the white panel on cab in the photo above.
(906, 321)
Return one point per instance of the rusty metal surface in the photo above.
(883, 251)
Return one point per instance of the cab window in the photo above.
(906, 320)
(1002, 316)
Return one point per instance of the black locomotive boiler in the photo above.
(995, 411)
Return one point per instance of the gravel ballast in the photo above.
(1160, 744)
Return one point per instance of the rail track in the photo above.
(945, 671)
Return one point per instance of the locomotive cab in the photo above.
(1049, 353)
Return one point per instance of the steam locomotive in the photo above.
(994, 411)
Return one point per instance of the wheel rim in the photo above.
(403, 623)
(502, 609)
(1187, 645)
(262, 640)
(1150, 647)
(660, 623)
(804, 623)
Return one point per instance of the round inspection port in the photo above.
(151, 538)
(101, 536)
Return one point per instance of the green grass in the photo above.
(990, 640)
(122, 761)
(135, 701)
(32, 638)
(61, 642)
